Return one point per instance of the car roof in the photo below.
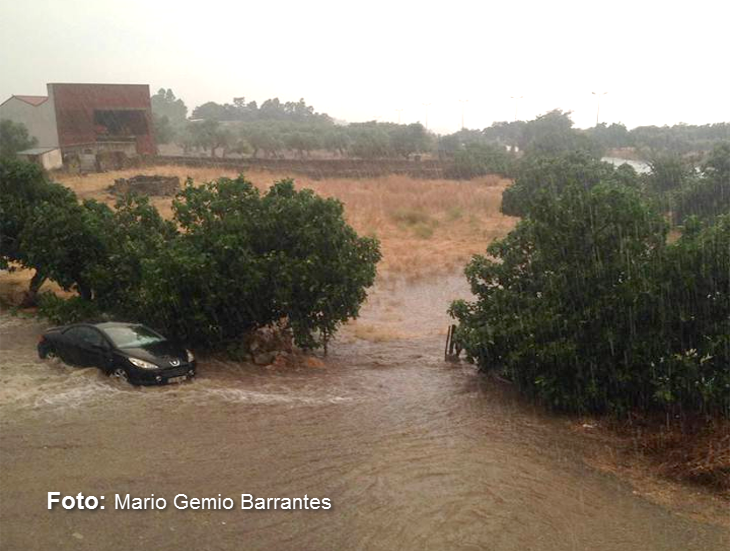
(110, 324)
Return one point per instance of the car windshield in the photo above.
(132, 336)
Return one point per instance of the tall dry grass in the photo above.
(426, 227)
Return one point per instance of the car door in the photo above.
(68, 345)
(93, 349)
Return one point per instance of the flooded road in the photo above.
(413, 452)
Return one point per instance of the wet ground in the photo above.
(413, 452)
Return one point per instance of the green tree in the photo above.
(540, 177)
(564, 303)
(409, 139)
(165, 104)
(162, 129)
(553, 133)
(337, 141)
(244, 260)
(708, 195)
(24, 188)
(14, 137)
(370, 141)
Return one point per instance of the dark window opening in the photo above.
(120, 123)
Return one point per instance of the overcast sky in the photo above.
(660, 62)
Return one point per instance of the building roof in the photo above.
(33, 100)
(36, 150)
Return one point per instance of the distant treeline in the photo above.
(277, 129)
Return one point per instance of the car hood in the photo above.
(160, 353)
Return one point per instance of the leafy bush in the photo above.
(708, 196)
(586, 308)
(703, 198)
(64, 311)
(669, 173)
(245, 260)
(541, 178)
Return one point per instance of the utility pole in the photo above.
(598, 103)
(517, 100)
(426, 105)
(463, 102)
(399, 111)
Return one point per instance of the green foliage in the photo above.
(407, 140)
(61, 311)
(269, 111)
(693, 306)
(169, 116)
(479, 159)
(244, 260)
(370, 141)
(233, 260)
(611, 136)
(450, 144)
(24, 187)
(541, 177)
(162, 129)
(669, 173)
(59, 241)
(165, 104)
(707, 196)
(586, 308)
(14, 137)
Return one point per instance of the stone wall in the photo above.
(147, 185)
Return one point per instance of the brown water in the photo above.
(413, 452)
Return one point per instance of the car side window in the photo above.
(85, 335)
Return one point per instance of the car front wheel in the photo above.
(47, 353)
(121, 374)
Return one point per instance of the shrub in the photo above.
(541, 178)
(64, 311)
(245, 260)
(703, 198)
(708, 196)
(586, 308)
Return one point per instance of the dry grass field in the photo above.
(426, 227)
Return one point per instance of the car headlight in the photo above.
(143, 364)
(190, 355)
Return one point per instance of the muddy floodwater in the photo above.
(413, 452)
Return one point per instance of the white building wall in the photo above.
(52, 159)
(39, 120)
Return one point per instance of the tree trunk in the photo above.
(84, 292)
(31, 295)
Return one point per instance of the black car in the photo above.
(131, 352)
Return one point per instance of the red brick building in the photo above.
(102, 113)
(88, 121)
